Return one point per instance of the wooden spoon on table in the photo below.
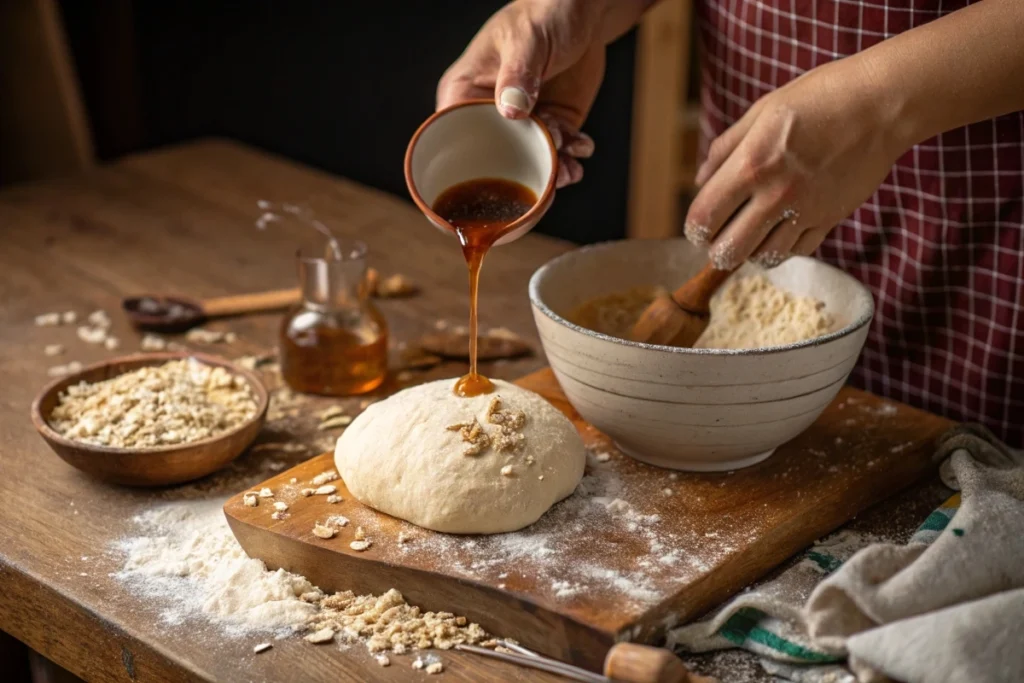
(680, 319)
(175, 314)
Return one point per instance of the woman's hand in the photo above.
(543, 55)
(801, 159)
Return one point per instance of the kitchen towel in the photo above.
(948, 607)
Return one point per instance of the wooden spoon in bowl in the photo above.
(680, 319)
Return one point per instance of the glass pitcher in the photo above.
(335, 342)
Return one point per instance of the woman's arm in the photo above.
(964, 67)
(805, 156)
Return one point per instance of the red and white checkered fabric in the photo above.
(940, 243)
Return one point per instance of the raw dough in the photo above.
(401, 457)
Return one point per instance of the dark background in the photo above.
(336, 85)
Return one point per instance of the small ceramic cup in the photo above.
(472, 140)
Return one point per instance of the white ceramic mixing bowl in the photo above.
(693, 409)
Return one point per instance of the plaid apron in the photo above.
(940, 243)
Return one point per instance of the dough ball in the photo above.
(482, 465)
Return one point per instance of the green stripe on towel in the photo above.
(743, 626)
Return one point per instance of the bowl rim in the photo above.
(537, 210)
(538, 304)
(146, 359)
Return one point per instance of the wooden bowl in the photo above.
(157, 466)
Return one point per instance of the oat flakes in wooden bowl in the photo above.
(152, 419)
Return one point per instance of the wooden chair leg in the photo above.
(43, 125)
(659, 95)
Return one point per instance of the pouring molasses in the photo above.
(481, 212)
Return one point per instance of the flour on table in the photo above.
(187, 560)
(187, 555)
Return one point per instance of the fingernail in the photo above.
(723, 256)
(582, 147)
(564, 177)
(556, 136)
(769, 259)
(514, 100)
(697, 234)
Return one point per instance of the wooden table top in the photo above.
(182, 219)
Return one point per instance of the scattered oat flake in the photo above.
(152, 342)
(266, 493)
(262, 647)
(250, 500)
(506, 471)
(360, 533)
(324, 635)
(307, 492)
(280, 506)
(383, 660)
(324, 477)
(603, 457)
(47, 320)
(279, 515)
(334, 498)
(201, 335)
(92, 335)
(99, 318)
(333, 411)
(335, 423)
(396, 286)
(360, 545)
(53, 349)
(321, 531)
(435, 668)
(325, 490)
(68, 317)
(667, 492)
(293, 480)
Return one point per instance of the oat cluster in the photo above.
(509, 436)
(387, 622)
(506, 438)
(179, 402)
(473, 434)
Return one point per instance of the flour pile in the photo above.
(188, 559)
(751, 312)
(188, 556)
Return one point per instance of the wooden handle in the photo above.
(250, 303)
(633, 663)
(695, 295)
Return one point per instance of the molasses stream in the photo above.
(480, 211)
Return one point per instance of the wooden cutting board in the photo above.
(636, 550)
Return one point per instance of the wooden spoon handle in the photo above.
(695, 295)
(633, 663)
(250, 303)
